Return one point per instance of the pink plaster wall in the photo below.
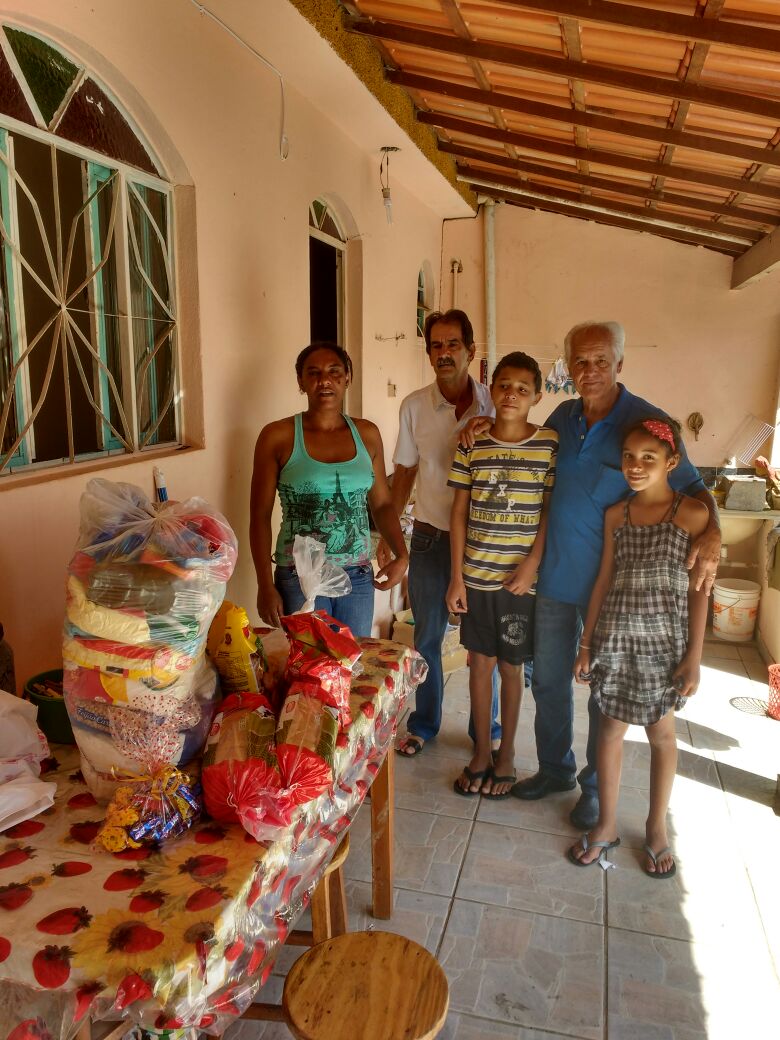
(717, 351)
(211, 111)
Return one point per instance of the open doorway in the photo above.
(326, 275)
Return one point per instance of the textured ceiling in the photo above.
(664, 118)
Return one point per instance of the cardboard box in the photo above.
(453, 655)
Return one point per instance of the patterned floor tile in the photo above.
(466, 1027)
(687, 991)
(429, 850)
(527, 969)
(526, 870)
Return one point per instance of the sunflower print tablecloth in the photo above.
(181, 937)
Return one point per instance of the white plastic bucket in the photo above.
(734, 609)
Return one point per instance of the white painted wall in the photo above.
(715, 350)
(212, 112)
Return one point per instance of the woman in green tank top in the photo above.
(327, 468)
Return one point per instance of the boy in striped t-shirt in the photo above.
(497, 530)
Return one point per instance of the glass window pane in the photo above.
(152, 310)
(12, 100)
(47, 71)
(93, 120)
(318, 212)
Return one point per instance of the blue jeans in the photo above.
(429, 578)
(556, 635)
(356, 610)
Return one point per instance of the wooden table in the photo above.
(183, 936)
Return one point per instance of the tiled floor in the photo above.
(537, 949)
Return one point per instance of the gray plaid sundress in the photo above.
(642, 632)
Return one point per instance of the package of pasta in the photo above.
(241, 779)
(322, 651)
(306, 741)
(236, 651)
(149, 809)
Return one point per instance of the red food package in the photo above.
(305, 742)
(325, 651)
(241, 778)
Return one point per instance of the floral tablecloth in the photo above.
(183, 936)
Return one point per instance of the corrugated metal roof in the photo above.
(662, 116)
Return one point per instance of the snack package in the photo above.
(236, 651)
(316, 573)
(143, 586)
(148, 810)
(325, 651)
(241, 778)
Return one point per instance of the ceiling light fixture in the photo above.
(384, 179)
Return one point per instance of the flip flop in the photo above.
(501, 780)
(659, 875)
(410, 740)
(605, 846)
(472, 778)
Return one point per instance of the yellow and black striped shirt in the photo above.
(507, 482)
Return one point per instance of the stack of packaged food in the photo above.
(143, 586)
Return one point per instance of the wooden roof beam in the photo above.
(731, 232)
(758, 261)
(624, 127)
(591, 72)
(689, 238)
(594, 155)
(663, 23)
(605, 184)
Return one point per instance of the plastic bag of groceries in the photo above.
(323, 653)
(318, 576)
(143, 586)
(242, 782)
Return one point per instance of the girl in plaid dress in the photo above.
(642, 640)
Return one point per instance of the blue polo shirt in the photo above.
(589, 479)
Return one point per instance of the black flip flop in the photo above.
(472, 778)
(410, 740)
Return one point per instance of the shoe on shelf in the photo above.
(540, 785)
(585, 814)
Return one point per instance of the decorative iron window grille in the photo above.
(422, 309)
(88, 348)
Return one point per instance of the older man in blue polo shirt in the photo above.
(589, 479)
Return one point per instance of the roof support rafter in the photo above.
(727, 232)
(530, 169)
(759, 260)
(613, 159)
(689, 238)
(624, 127)
(591, 72)
(653, 20)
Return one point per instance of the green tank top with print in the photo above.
(327, 501)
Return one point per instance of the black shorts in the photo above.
(499, 624)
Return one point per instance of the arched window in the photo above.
(88, 352)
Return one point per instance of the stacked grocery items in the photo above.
(143, 586)
(257, 767)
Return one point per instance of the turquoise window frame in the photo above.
(151, 373)
(20, 457)
(97, 175)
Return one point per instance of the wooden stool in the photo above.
(328, 903)
(369, 984)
